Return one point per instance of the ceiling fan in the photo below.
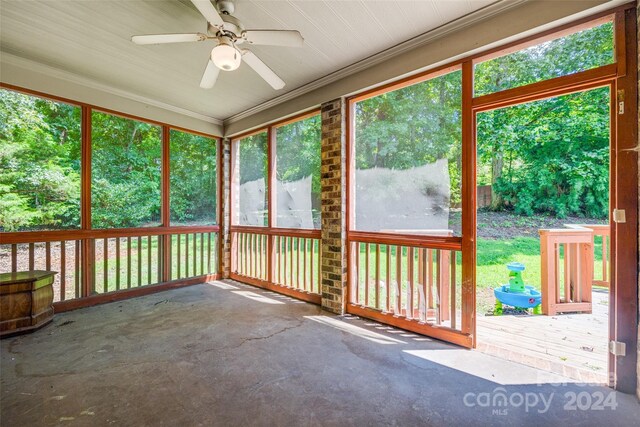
(229, 33)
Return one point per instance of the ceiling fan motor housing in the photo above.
(226, 7)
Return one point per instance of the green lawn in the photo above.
(142, 268)
(492, 257)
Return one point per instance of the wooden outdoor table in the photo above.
(26, 301)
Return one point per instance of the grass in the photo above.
(142, 268)
(492, 257)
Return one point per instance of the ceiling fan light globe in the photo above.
(226, 57)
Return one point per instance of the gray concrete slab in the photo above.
(227, 354)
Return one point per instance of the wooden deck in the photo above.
(573, 345)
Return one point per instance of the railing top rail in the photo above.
(565, 231)
(451, 243)
(591, 226)
(59, 235)
(288, 232)
(421, 232)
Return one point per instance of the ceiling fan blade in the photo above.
(209, 12)
(210, 75)
(168, 38)
(289, 38)
(263, 71)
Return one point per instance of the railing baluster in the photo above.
(214, 251)
(453, 315)
(567, 273)
(202, 254)
(277, 271)
(170, 257)
(77, 266)
(356, 247)
(179, 256)
(149, 273)
(438, 300)
(388, 287)
(423, 273)
(297, 263)
(290, 262)
(14, 258)
(209, 253)
(195, 255)
(443, 284)
(304, 263)
(429, 266)
(128, 262)
(186, 255)
(31, 256)
(312, 285)
(252, 248)
(139, 258)
(410, 282)
(259, 255)
(159, 259)
(47, 248)
(377, 295)
(245, 248)
(63, 270)
(256, 256)
(252, 251)
(398, 288)
(117, 263)
(266, 257)
(248, 254)
(105, 265)
(366, 274)
(262, 274)
(605, 258)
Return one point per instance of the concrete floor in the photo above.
(230, 354)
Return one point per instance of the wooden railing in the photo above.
(103, 262)
(409, 281)
(284, 260)
(603, 233)
(566, 257)
(63, 256)
(251, 255)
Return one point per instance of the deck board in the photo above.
(559, 343)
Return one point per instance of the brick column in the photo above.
(225, 221)
(333, 205)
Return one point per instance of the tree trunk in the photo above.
(497, 162)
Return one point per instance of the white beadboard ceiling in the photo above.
(91, 39)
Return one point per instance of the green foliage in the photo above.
(39, 163)
(193, 178)
(549, 156)
(555, 152)
(576, 52)
(253, 158)
(298, 156)
(125, 172)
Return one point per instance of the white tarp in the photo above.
(252, 198)
(294, 204)
(294, 208)
(410, 199)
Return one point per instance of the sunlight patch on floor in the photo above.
(222, 285)
(355, 330)
(257, 297)
(488, 367)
